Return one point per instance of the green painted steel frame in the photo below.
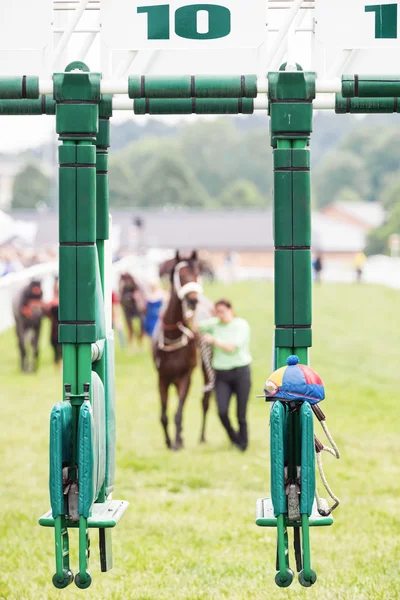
(290, 107)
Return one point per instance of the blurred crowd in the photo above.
(14, 257)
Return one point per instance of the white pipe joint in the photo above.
(97, 350)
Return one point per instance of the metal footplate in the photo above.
(265, 516)
(104, 515)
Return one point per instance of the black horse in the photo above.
(28, 311)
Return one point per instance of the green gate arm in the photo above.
(192, 86)
(189, 106)
(43, 106)
(370, 86)
(366, 105)
(19, 87)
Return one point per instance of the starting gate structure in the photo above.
(286, 57)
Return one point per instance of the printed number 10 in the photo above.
(186, 21)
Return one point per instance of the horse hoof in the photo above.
(202, 441)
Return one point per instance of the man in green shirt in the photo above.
(230, 338)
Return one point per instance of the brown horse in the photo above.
(133, 304)
(205, 267)
(175, 345)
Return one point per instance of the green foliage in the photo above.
(168, 181)
(189, 533)
(377, 240)
(340, 171)
(198, 167)
(31, 187)
(390, 196)
(241, 193)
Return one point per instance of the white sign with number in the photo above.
(141, 24)
(357, 24)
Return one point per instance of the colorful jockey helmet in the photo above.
(295, 382)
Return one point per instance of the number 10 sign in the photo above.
(140, 24)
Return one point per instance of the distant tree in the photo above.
(209, 149)
(383, 161)
(31, 188)
(241, 194)
(377, 240)
(168, 181)
(348, 194)
(361, 141)
(339, 171)
(390, 196)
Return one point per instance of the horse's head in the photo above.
(127, 282)
(32, 301)
(186, 283)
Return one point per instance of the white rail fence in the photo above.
(380, 270)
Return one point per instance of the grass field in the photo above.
(189, 532)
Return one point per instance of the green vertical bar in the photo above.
(84, 366)
(70, 372)
(83, 557)
(302, 287)
(302, 353)
(305, 529)
(282, 555)
(58, 548)
(281, 356)
(284, 287)
(283, 208)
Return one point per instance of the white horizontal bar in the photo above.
(120, 86)
(261, 103)
(325, 86)
(262, 85)
(122, 104)
(117, 86)
(78, 30)
(324, 102)
(45, 86)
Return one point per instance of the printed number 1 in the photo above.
(186, 21)
(385, 20)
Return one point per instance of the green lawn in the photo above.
(189, 532)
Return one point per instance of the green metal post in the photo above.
(290, 107)
(77, 94)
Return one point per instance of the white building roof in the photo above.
(370, 213)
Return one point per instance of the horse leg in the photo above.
(182, 387)
(206, 405)
(163, 389)
(21, 345)
(35, 346)
(129, 326)
(208, 377)
(142, 328)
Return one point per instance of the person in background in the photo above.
(317, 267)
(117, 323)
(230, 337)
(155, 298)
(52, 313)
(359, 261)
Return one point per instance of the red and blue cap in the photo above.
(295, 382)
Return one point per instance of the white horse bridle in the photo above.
(191, 286)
